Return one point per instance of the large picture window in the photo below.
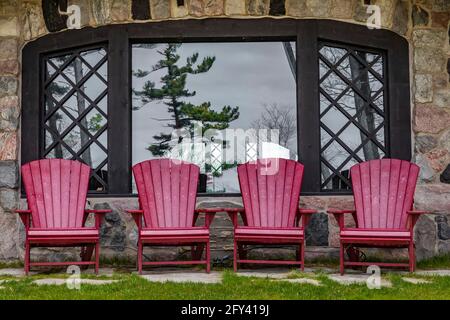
(217, 92)
(240, 86)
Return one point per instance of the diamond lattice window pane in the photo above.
(353, 80)
(58, 88)
(333, 85)
(72, 122)
(93, 57)
(94, 121)
(93, 87)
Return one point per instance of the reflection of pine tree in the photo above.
(173, 90)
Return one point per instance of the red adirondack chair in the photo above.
(270, 192)
(167, 191)
(56, 193)
(383, 192)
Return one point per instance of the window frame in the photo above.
(306, 33)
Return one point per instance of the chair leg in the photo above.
(27, 258)
(208, 258)
(235, 256)
(97, 257)
(139, 256)
(302, 255)
(199, 251)
(341, 259)
(412, 257)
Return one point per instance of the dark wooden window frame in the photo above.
(306, 33)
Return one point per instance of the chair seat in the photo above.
(269, 232)
(175, 232)
(374, 233)
(63, 233)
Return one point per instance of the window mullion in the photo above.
(308, 106)
(119, 115)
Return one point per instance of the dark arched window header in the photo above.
(358, 78)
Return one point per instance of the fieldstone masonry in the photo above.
(424, 23)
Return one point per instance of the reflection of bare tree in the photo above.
(78, 71)
(278, 117)
(366, 115)
(354, 104)
(77, 137)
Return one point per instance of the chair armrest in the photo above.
(211, 212)
(417, 212)
(99, 215)
(304, 214)
(339, 216)
(336, 211)
(137, 216)
(25, 216)
(414, 215)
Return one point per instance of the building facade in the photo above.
(400, 72)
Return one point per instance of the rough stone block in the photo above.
(160, 9)
(9, 49)
(8, 146)
(258, 7)
(120, 10)
(425, 237)
(9, 113)
(214, 7)
(317, 230)
(101, 11)
(423, 88)
(9, 199)
(32, 21)
(342, 9)
(429, 59)
(9, 174)
(442, 98)
(434, 38)
(425, 143)
(9, 67)
(420, 16)
(235, 7)
(430, 119)
(9, 27)
(196, 8)
(401, 17)
(8, 86)
(443, 227)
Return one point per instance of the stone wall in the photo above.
(424, 23)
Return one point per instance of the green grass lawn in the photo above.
(233, 287)
(131, 286)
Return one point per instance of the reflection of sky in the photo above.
(247, 75)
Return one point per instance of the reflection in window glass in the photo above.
(207, 103)
(75, 116)
(352, 126)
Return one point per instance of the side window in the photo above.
(352, 111)
(75, 111)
